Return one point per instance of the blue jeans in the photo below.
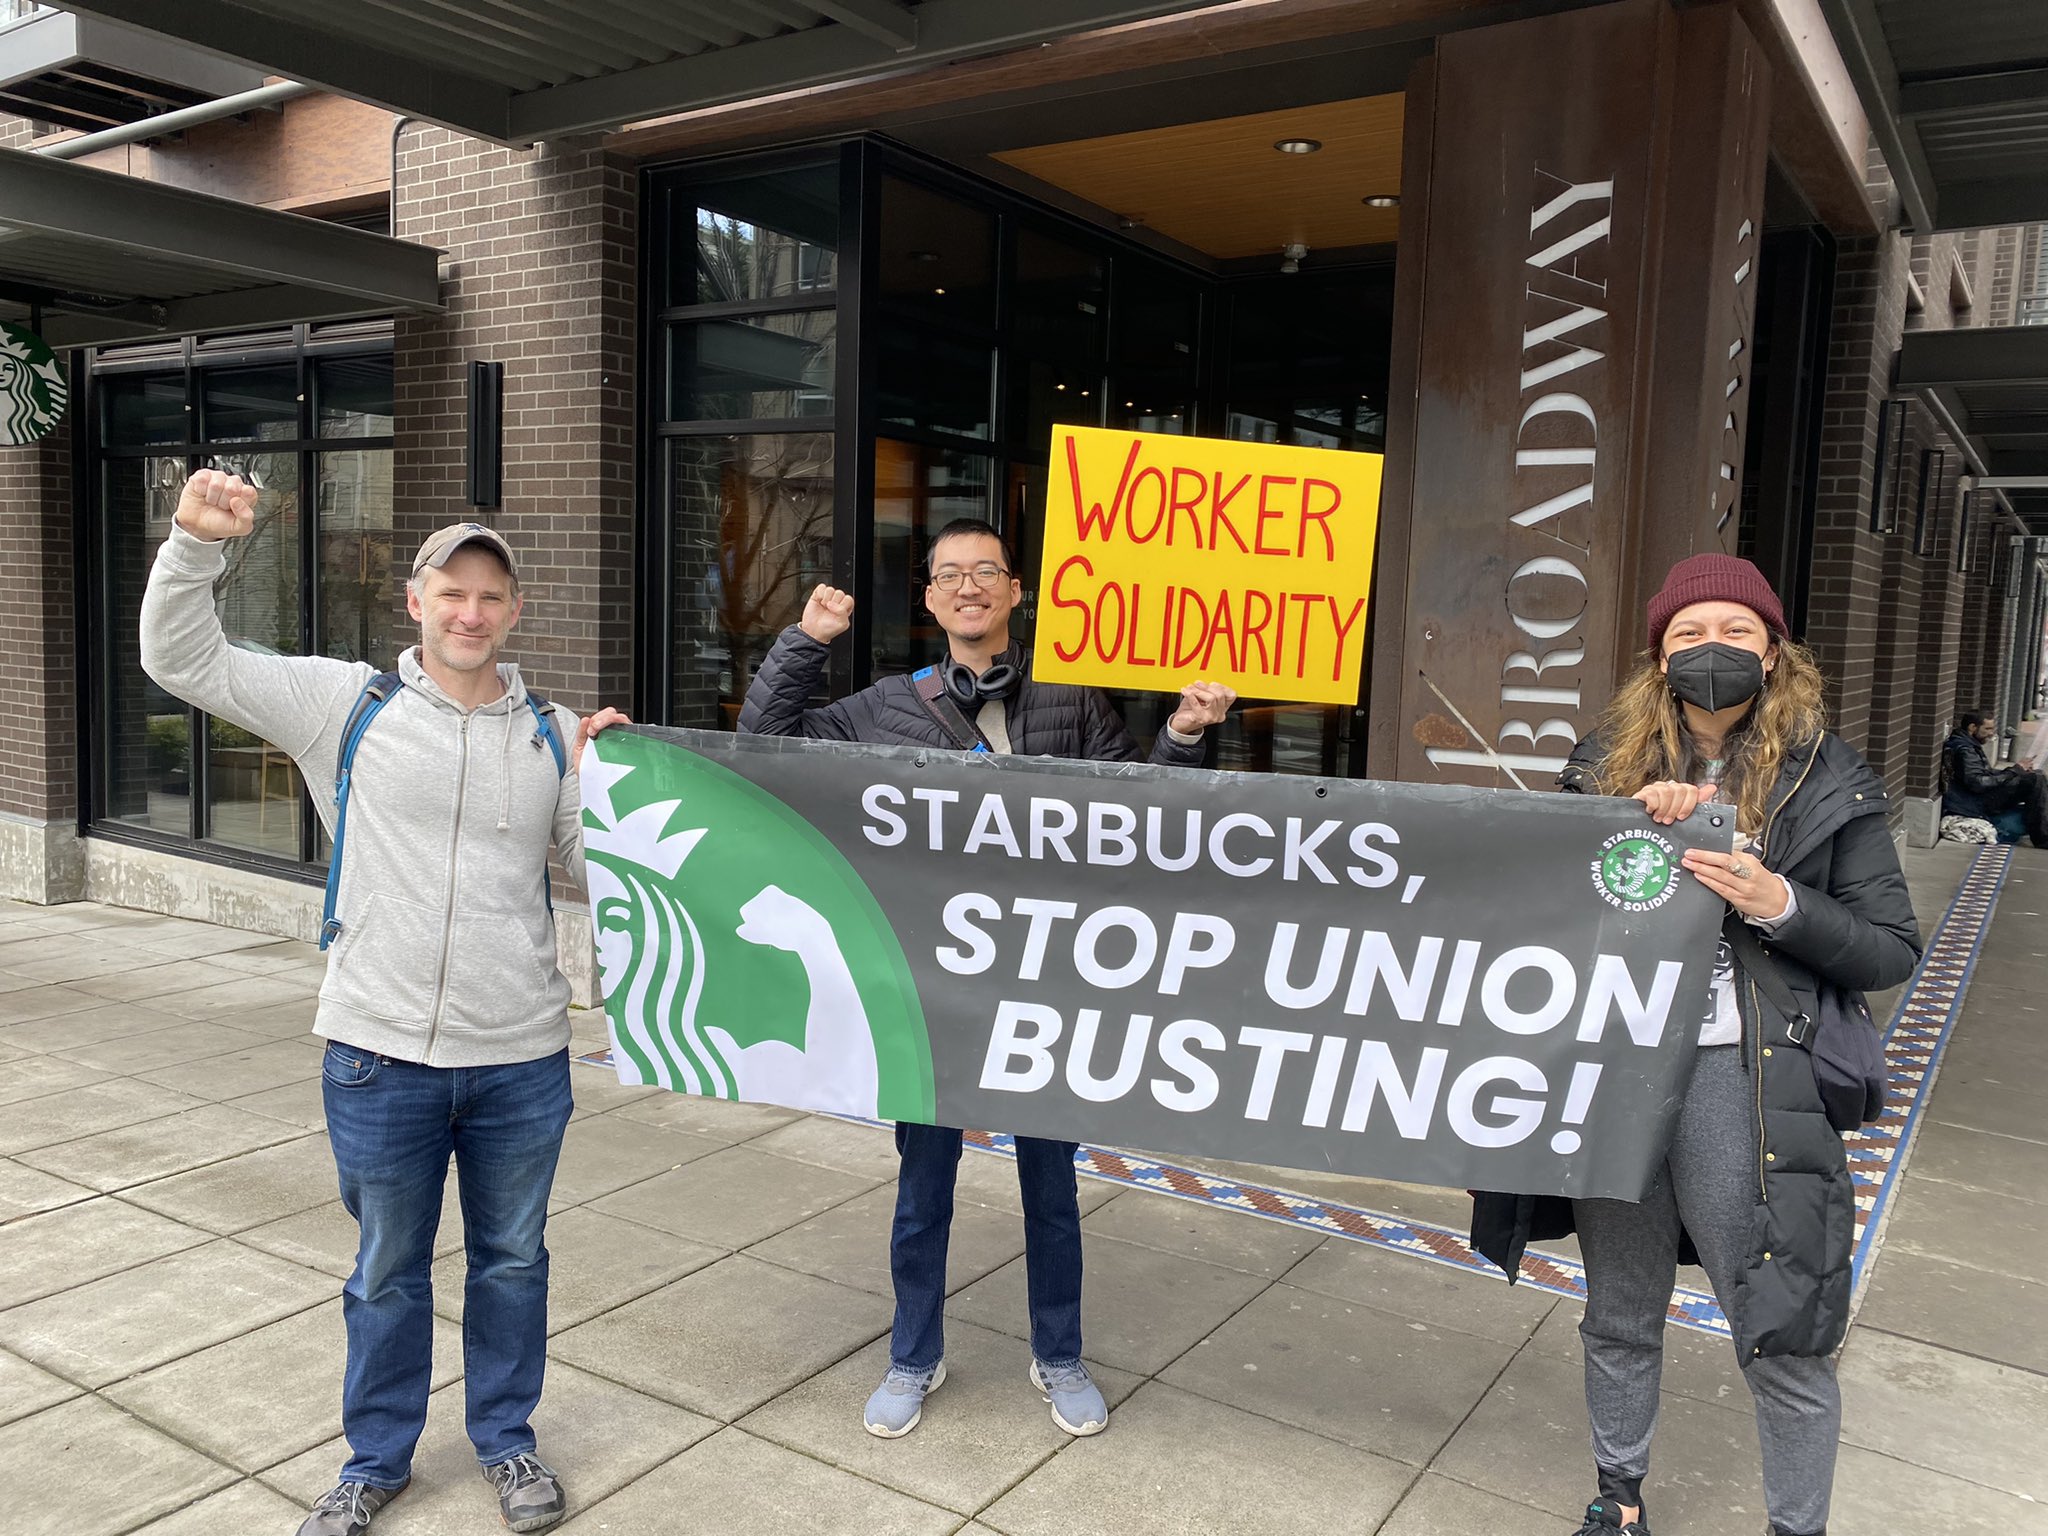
(924, 1222)
(393, 1125)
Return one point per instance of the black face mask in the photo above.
(1715, 676)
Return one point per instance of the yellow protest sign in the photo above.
(1174, 558)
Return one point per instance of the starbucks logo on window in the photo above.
(32, 389)
(1637, 870)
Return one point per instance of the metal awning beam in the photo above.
(1937, 95)
(334, 58)
(242, 309)
(887, 22)
(249, 247)
(1985, 204)
(946, 29)
(341, 53)
(1860, 33)
(2013, 354)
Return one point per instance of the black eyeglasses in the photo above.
(982, 576)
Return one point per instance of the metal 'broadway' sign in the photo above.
(1447, 986)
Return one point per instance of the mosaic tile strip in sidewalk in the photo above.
(1914, 1041)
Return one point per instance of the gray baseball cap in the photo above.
(443, 542)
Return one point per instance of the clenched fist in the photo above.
(1201, 706)
(216, 505)
(827, 615)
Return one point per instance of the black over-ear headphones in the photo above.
(1000, 681)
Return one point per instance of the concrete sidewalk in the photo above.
(171, 1251)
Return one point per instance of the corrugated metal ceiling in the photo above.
(1957, 92)
(519, 71)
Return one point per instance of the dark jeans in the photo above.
(2024, 797)
(393, 1125)
(924, 1222)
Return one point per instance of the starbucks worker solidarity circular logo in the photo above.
(1637, 870)
(32, 389)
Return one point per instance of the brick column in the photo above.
(41, 856)
(540, 276)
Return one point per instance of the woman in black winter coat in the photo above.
(1755, 1187)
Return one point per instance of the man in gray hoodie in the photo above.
(445, 1014)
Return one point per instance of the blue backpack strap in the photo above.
(544, 719)
(377, 692)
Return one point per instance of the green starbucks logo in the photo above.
(32, 389)
(1637, 871)
(742, 957)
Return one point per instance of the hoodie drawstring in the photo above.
(505, 778)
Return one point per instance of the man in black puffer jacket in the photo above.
(980, 694)
(1970, 786)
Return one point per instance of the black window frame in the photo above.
(301, 347)
(864, 163)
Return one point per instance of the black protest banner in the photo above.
(1439, 985)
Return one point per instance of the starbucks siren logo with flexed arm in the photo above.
(741, 956)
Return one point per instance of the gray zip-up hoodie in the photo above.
(447, 947)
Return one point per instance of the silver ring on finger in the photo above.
(1739, 870)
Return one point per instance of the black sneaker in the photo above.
(1603, 1518)
(347, 1508)
(529, 1495)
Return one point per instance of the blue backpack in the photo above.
(378, 692)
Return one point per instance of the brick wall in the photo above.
(1899, 633)
(539, 268)
(38, 696)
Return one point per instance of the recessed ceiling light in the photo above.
(924, 255)
(940, 292)
(1059, 386)
(1298, 146)
(1382, 200)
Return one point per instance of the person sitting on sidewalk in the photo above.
(988, 690)
(1972, 787)
(438, 1041)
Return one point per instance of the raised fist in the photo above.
(827, 615)
(1201, 706)
(216, 505)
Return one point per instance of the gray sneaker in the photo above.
(1077, 1405)
(529, 1495)
(898, 1403)
(347, 1508)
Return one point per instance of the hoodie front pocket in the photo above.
(386, 960)
(501, 971)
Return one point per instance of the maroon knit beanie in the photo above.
(1714, 579)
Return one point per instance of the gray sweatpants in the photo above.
(1709, 1185)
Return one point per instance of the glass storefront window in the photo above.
(765, 367)
(918, 490)
(358, 614)
(148, 759)
(252, 797)
(318, 565)
(933, 381)
(938, 258)
(1061, 291)
(985, 321)
(352, 397)
(144, 409)
(1047, 394)
(243, 405)
(751, 524)
(753, 238)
